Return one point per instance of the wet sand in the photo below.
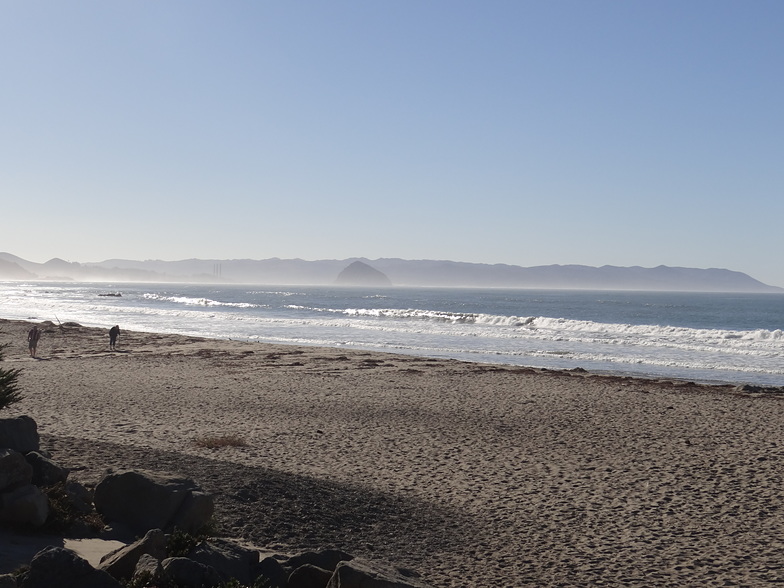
(471, 474)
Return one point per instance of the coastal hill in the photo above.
(398, 272)
(361, 274)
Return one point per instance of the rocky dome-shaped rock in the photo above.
(361, 274)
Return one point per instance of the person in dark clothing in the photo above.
(32, 340)
(114, 332)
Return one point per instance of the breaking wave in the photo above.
(198, 301)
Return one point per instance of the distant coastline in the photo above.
(395, 272)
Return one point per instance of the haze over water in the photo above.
(734, 338)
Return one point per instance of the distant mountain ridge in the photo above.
(399, 272)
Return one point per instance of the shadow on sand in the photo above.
(267, 506)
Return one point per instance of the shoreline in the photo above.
(711, 340)
(471, 474)
(608, 373)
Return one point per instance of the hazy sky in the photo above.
(528, 133)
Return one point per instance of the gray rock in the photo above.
(229, 559)
(121, 564)
(187, 573)
(19, 434)
(270, 570)
(26, 505)
(60, 567)
(81, 498)
(45, 471)
(359, 573)
(148, 568)
(7, 581)
(359, 273)
(14, 470)
(149, 500)
(195, 512)
(309, 576)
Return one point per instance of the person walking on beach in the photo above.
(32, 340)
(114, 332)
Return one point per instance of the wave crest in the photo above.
(199, 301)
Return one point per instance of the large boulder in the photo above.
(26, 505)
(270, 572)
(148, 569)
(19, 434)
(195, 512)
(186, 573)
(309, 576)
(121, 563)
(45, 471)
(151, 500)
(14, 470)
(359, 573)
(79, 496)
(229, 559)
(60, 567)
(359, 273)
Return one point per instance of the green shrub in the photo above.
(63, 514)
(144, 580)
(9, 388)
(181, 543)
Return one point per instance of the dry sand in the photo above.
(473, 475)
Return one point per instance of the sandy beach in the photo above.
(473, 475)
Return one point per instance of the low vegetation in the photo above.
(9, 387)
(219, 441)
(64, 515)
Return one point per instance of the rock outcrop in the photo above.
(25, 505)
(57, 566)
(228, 559)
(359, 273)
(123, 562)
(149, 500)
(21, 502)
(161, 508)
(45, 471)
(14, 470)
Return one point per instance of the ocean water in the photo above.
(736, 338)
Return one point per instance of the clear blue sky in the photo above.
(496, 131)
